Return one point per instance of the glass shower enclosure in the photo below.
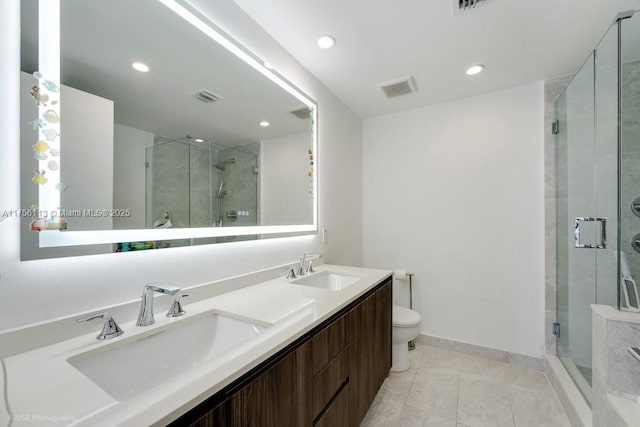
(197, 183)
(598, 171)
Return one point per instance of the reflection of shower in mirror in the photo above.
(221, 193)
(222, 165)
(164, 222)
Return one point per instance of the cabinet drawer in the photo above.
(337, 414)
(329, 380)
(328, 343)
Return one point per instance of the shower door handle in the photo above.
(603, 232)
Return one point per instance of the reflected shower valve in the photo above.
(233, 215)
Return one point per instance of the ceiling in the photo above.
(380, 40)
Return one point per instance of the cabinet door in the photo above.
(370, 348)
(222, 415)
(382, 336)
(337, 414)
(361, 365)
(279, 397)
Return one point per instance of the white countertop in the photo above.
(44, 389)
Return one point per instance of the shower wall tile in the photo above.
(241, 187)
(623, 370)
(630, 223)
(200, 191)
(170, 163)
(615, 371)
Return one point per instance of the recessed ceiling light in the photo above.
(139, 66)
(199, 140)
(264, 123)
(325, 42)
(475, 69)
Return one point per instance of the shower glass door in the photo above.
(576, 287)
(587, 204)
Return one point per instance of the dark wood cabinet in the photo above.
(361, 363)
(370, 340)
(337, 412)
(271, 400)
(328, 381)
(327, 343)
(329, 377)
(381, 337)
(221, 415)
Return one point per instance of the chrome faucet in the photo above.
(110, 329)
(146, 308)
(304, 258)
(176, 309)
(291, 274)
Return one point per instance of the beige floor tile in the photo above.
(415, 356)
(397, 385)
(435, 391)
(484, 403)
(445, 388)
(490, 370)
(383, 412)
(414, 417)
(535, 409)
(529, 379)
(438, 358)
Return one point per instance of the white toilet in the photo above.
(406, 327)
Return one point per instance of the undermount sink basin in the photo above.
(128, 368)
(328, 280)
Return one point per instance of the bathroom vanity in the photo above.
(248, 351)
(327, 377)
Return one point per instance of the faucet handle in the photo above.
(110, 329)
(291, 274)
(310, 268)
(176, 309)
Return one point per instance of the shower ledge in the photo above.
(626, 408)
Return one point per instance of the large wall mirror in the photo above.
(143, 125)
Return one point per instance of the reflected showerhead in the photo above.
(223, 164)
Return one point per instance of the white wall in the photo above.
(284, 199)
(87, 139)
(40, 290)
(130, 175)
(87, 145)
(454, 193)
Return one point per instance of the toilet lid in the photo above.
(405, 317)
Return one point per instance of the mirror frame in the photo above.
(49, 201)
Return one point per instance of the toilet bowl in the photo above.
(405, 327)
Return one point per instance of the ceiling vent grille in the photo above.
(398, 87)
(206, 96)
(302, 113)
(459, 6)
